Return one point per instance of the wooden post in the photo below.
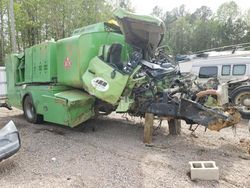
(148, 128)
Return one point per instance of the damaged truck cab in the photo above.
(108, 67)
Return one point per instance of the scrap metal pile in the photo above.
(166, 93)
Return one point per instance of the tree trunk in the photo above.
(9, 30)
(2, 35)
(13, 27)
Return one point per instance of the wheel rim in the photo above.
(29, 109)
(243, 100)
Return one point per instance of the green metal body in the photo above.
(55, 75)
(67, 78)
(57, 103)
(75, 53)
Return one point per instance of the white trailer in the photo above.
(3, 85)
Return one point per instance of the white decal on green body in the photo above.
(100, 84)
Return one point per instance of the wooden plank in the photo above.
(148, 128)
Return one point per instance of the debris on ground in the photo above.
(114, 155)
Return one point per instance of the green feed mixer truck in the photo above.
(112, 67)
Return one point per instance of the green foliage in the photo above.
(190, 32)
(125, 4)
(228, 11)
(40, 20)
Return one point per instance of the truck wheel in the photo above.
(241, 97)
(174, 126)
(30, 111)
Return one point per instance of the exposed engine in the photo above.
(184, 98)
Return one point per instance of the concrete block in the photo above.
(204, 170)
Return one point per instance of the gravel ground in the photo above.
(114, 155)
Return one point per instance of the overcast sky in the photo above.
(146, 6)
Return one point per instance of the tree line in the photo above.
(202, 29)
(40, 20)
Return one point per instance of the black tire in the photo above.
(174, 126)
(30, 111)
(241, 97)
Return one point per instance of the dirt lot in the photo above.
(114, 155)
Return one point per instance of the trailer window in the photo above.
(226, 69)
(208, 72)
(239, 69)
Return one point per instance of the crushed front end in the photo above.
(156, 86)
